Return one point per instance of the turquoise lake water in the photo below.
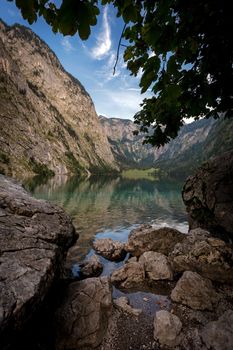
(111, 207)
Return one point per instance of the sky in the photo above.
(91, 61)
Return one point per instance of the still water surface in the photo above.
(111, 207)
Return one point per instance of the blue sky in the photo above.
(91, 61)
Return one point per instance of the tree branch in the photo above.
(118, 50)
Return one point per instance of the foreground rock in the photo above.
(129, 275)
(207, 255)
(167, 328)
(91, 267)
(82, 319)
(34, 236)
(156, 266)
(208, 196)
(218, 335)
(146, 238)
(195, 291)
(110, 249)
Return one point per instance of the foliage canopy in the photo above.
(183, 49)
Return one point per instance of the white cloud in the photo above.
(119, 103)
(104, 43)
(66, 44)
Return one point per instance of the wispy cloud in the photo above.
(119, 104)
(66, 44)
(103, 44)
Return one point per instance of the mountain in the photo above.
(48, 120)
(196, 142)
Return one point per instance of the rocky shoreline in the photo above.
(173, 290)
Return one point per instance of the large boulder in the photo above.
(146, 238)
(129, 275)
(110, 249)
(195, 291)
(82, 318)
(205, 254)
(218, 335)
(167, 328)
(156, 266)
(208, 196)
(34, 237)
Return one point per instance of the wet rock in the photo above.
(122, 303)
(82, 319)
(205, 254)
(208, 196)
(218, 335)
(195, 291)
(110, 249)
(91, 267)
(146, 238)
(156, 266)
(129, 275)
(167, 328)
(34, 237)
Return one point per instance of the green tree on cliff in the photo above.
(184, 50)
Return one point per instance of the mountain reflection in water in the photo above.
(112, 207)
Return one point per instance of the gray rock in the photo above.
(82, 319)
(110, 249)
(195, 291)
(167, 328)
(91, 267)
(208, 196)
(34, 237)
(156, 266)
(205, 254)
(146, 238)
(218, 335)
(129, 275)
(122, 303)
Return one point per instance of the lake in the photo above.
(111, 207)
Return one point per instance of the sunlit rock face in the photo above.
(48, 120)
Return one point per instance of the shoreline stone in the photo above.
(110, 249)
(34, 238)
(167, 328)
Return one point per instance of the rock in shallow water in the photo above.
(195, 291)
(146, 238)
(167, 328)
(156, 266)
(34, 236)
(91, 267)
(82, 319)
(205, 254)
(129, 275)
(110, 249)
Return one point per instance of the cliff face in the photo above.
(195, 143)
(48, 120)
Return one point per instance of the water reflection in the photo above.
(111, 207)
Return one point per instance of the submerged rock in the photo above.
(195, 291)
(82, 319)
(156, 266)
(34, 237)
(110, 249)
(208, 196)
(147, 238)
(129, 275)
(122, 303)
(205, 254)
(167, 328)
(218, 335)
(91, 267)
